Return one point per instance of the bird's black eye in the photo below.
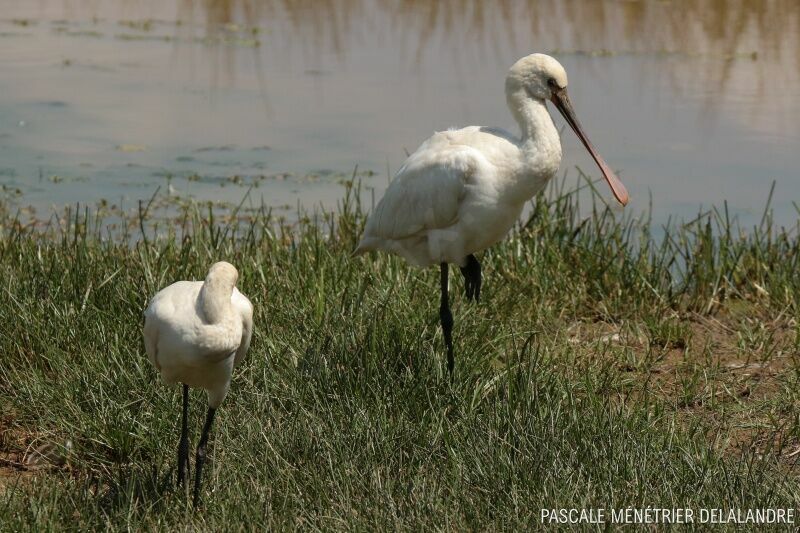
(552, 83)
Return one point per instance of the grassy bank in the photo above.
(608, 364)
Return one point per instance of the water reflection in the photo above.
(724, 30)
(749, 46)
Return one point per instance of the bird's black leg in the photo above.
(446, 318)
(183, 445)
(472, 278)
(201, 455)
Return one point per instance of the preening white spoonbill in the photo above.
(462, 190)
(195, 333)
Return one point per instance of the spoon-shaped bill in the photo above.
(561, 100)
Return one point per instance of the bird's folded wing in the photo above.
(425, 194)
(245, 308)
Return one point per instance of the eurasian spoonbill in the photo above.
(195, 333)
(462, 190)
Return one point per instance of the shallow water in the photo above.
(694, 101)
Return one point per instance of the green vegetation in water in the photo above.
(143, 37)
(79, 33)
(604, 367)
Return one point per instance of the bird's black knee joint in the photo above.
(446, 317)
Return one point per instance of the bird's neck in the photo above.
(539, 134)
(215, 301)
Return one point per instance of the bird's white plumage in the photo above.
(462, 190)
(187, 345)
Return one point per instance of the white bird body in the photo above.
(188, 344)
(195, 333)
(462, 190)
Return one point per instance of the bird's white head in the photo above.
(215, 296)
(540, 77)
(222, 274)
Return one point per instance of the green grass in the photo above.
(608, 365)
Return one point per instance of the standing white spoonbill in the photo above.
(195, 333)
(463, 189)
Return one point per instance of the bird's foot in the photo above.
(200, 457)
(183, 462)
(469, 288)
(472, 278)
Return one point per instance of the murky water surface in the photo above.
(694, 101)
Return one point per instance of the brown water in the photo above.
(694, 101)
